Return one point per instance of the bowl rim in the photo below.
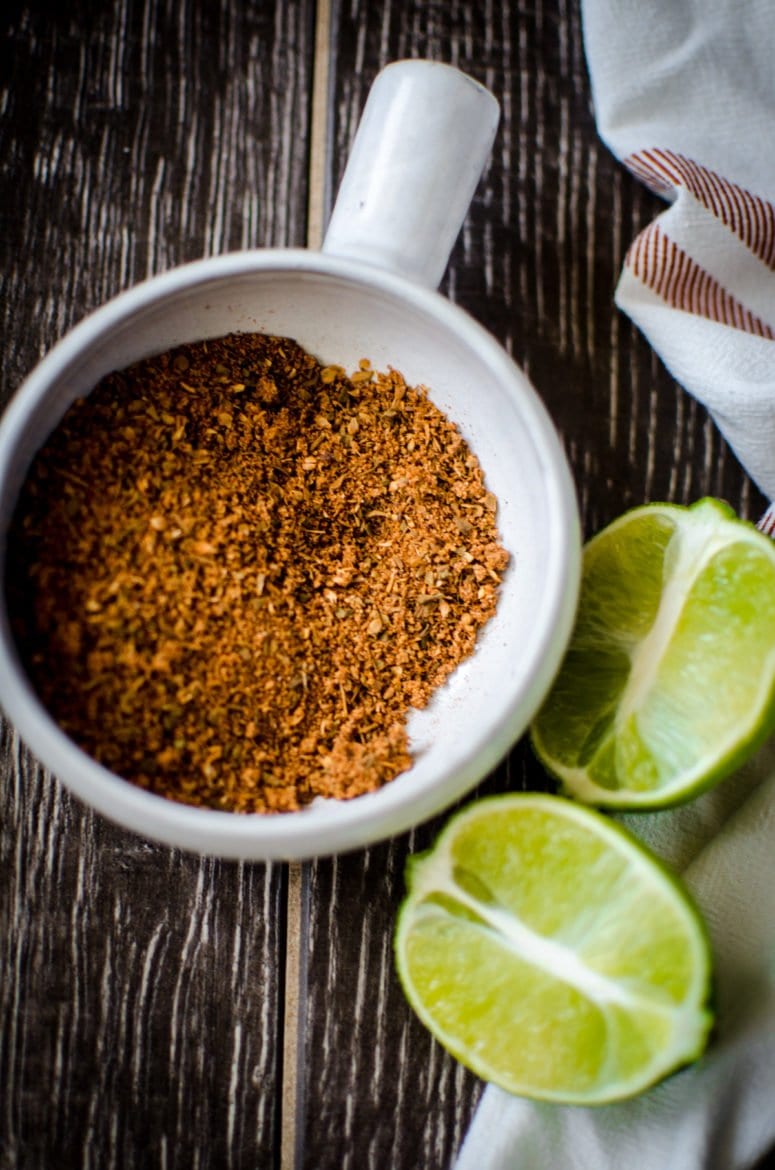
(315, 830)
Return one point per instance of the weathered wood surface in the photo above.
(145, 1014)
(141, 989)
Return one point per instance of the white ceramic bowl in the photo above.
(341, 309)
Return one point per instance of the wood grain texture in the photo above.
(142, 989)
(167, 132)
(537, 263)
(144, 1003)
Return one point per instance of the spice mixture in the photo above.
(232, 571)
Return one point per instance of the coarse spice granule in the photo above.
(232, 572)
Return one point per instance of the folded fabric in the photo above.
(684, 95)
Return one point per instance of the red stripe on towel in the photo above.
(751, 218)
(683, 284)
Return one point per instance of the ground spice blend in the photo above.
(232, 572)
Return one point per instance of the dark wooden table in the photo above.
(162, 1010)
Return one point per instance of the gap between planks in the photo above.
(297, 887)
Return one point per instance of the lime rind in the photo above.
(661, 1028)
(610, 743)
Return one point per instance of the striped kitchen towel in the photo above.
(684, 94)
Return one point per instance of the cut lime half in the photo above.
(668, 683)
(551, 954)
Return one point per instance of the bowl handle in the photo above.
(419, 151)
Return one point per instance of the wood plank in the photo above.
(297, 901)
(142, 1002)
(141, 994)
(537, 263)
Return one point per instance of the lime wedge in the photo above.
(551, 954)
(668, 683)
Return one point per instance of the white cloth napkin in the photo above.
(684, 95)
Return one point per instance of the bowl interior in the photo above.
(342, 316)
